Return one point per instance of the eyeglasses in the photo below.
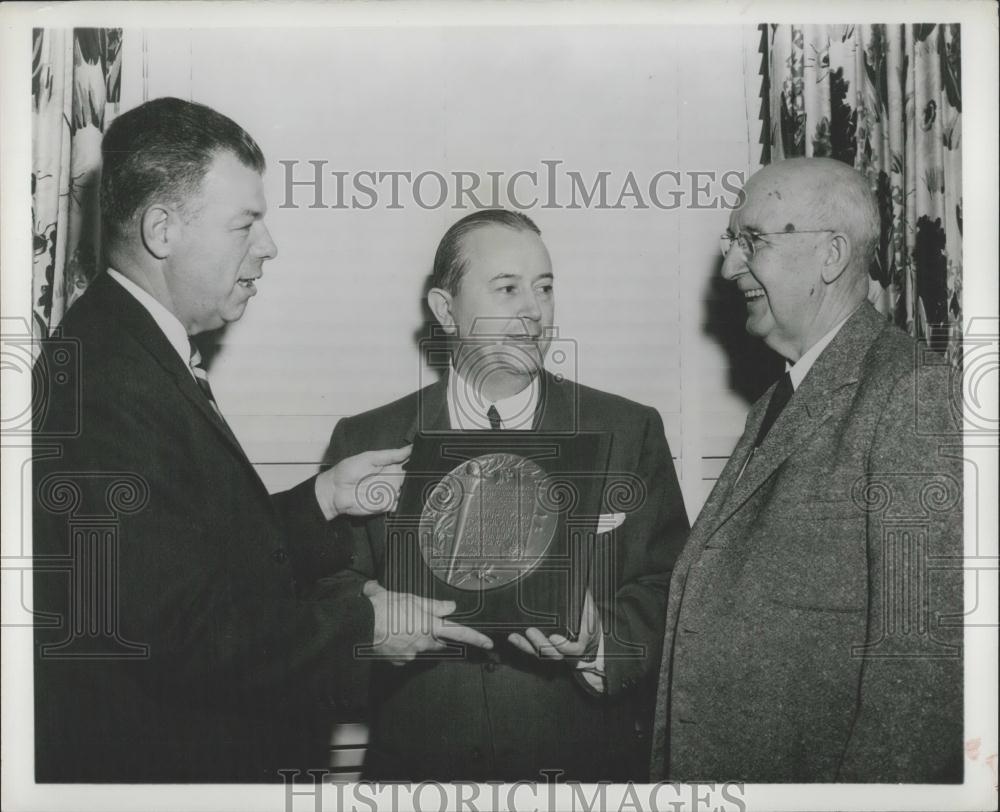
(747, 240)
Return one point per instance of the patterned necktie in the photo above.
(201, 376)
(494, 417)
(782, 393)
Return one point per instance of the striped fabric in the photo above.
(201, 376)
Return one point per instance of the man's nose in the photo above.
(530, 307)
(264, 246)
(733, 264)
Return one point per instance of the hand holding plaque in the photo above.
(408, 625)
(557, 647)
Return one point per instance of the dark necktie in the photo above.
(782, 393)
(201, 376)
(494, 417)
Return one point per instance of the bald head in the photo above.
(823, 193)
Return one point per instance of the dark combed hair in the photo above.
(163, 148)
(450, 262)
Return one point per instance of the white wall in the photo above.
(332, 331)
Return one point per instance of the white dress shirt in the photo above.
(467, 408)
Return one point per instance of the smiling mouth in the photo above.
(247, 283)
(754, 294)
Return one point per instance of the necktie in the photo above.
(494, 417)
(782, 393)
(201, 376)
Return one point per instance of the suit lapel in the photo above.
(135, 319)
(554, 410)
(731, 471)
(431, 417)
(432, 411)
(826, 387)
(190, 390)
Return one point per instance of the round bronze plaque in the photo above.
(484, 524)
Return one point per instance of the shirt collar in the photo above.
(165, 320)
(467, 408)
(797, 371)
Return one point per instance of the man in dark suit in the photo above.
(531, 702)
(814, 619)
(183, 631)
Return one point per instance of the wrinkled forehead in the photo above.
(773, 202)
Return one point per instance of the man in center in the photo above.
(532, 703)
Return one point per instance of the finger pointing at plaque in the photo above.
(407, 625)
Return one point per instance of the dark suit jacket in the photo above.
(501, 714)
(814, 620)
(201, 645)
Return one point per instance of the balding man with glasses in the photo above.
(813, 629)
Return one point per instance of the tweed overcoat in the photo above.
(813, 628)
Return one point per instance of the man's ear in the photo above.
(838, 257)
(439, 301)
(157, 227)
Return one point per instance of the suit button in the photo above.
(490, 667)
(353, 558)
(476, 753)
(279, 556)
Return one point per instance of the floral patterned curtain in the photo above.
(886, 99)
(75, 85)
